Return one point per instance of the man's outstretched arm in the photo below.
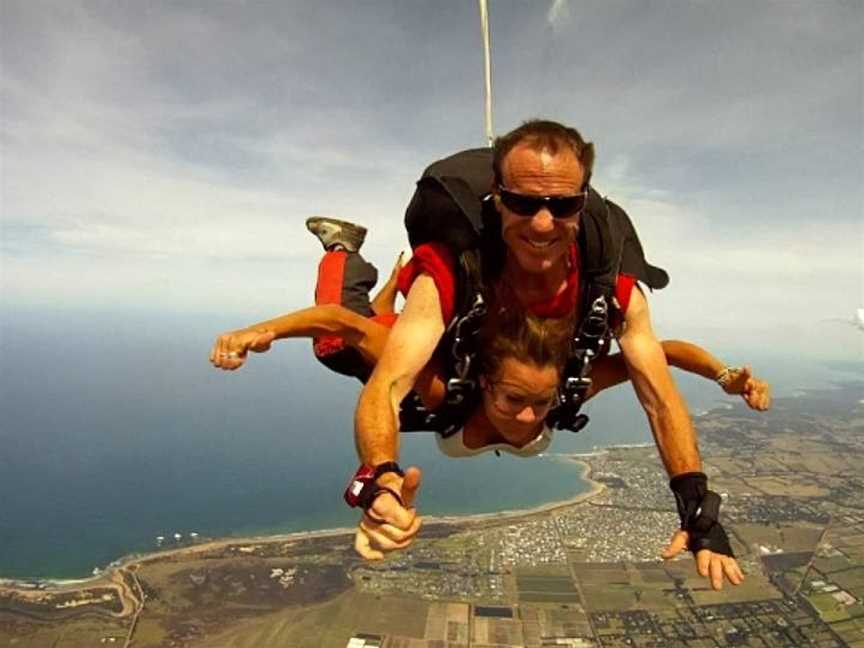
(676, 441)
(390, 524)
(667, 412)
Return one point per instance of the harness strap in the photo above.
(594, 333)
(462, 389)
(591, 341)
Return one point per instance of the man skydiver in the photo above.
(542, 170)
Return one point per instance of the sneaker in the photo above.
(333, 233)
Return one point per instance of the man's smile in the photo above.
(540, 244)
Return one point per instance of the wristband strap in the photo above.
(699, 510)
(363, 488)
(387, 467)
(367, 506)
(376, 489)
(689, 490)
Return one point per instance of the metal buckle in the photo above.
(595, 322)
(575, 383)
(458, 389)
(461, 340)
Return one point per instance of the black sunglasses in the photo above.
(558, 206)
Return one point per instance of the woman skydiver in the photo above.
(521, 355)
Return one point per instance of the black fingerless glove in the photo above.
(699, 510)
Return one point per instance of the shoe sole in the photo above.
(314, 220)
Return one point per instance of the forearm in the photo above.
(665, 407)
(674, 435)
(376, 425)
(611, 370)
(409, 348)
(692, 358)
(607, 372)
(316, 321)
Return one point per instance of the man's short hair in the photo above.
(542, 135)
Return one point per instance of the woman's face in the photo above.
(517, 400)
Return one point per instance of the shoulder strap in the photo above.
(591, 340)
(462, 388)
(609, 245)
(449, 206)
(599, 242)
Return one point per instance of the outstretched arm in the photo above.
(665, 407)
(230, 349)
(676, 441)
(612, 370)
(409, 348)
(734, 380)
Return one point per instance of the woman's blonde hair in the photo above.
(512, 332)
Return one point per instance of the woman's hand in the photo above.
(229, 351)
(755, 392)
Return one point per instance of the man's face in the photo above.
(538, 242)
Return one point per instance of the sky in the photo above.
(162, 157)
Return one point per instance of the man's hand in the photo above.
(229, 351)
(708, 563)
(389, 525)
(756, 393)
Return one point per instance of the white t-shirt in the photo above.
(454, 446)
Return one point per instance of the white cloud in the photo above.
(171, 154)
(559, 14)
(752, 281)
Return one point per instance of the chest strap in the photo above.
(591, 341)
(462, 390)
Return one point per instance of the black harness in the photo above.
(590, 342)
(462, 393)
(451, 206)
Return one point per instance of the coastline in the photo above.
(106, 576)
(595, 488)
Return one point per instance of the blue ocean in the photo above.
(116, 430)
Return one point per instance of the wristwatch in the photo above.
(363, 489)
